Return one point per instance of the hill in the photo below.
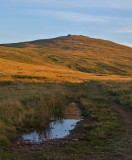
(71, 53)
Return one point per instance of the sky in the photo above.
(25, 20)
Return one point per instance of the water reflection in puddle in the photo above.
(59, 128)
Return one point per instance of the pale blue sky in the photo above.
(24, 20)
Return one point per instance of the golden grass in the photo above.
(11, 70)
(74, 52)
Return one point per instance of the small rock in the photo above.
(92, 115)
(66, 142)
(125, 140)
(117, 150)
(75, 139)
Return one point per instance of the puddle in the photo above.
(60, 128)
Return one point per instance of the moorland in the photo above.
(39, 78)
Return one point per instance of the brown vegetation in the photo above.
(37, 78)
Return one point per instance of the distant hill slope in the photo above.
(75, 52)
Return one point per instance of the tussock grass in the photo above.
(31, 108)
(7, 155)
(6, 82)
(100, 127)
(121, 92)
(31, 105)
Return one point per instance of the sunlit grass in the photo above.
(65, 54)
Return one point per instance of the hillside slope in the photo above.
(75, 52)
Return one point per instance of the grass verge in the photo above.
(98, 130)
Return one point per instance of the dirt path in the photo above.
(125, 144)
(121, 148)
(126, 118)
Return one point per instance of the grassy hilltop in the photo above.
(67, 55)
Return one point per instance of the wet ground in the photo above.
(59, 127)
